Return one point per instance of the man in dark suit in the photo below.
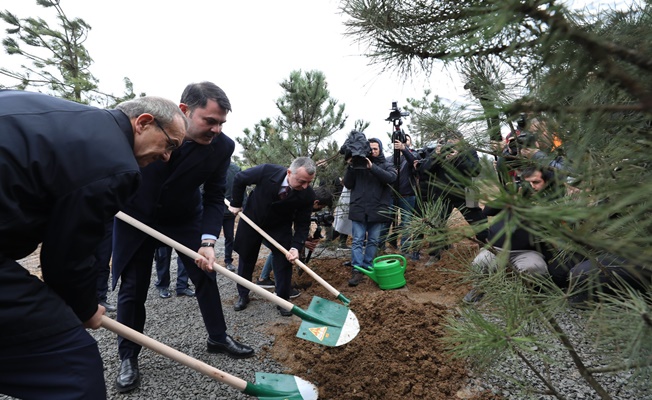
(282, 197)
(65, 169)
(169, 200)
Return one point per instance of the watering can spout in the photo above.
(369, 272)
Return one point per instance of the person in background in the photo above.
(170, 200)
(228, 223)
(450, 170)
(163, 258)
(280, 204)
(527, 253)
(406, 198)
(371, 197)
(342, 224)
(45, 350)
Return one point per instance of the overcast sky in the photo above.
(246, 47)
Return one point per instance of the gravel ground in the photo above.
(564, 375)
(177, 322)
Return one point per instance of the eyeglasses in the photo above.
(172, 146)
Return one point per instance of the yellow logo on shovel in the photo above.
(320, 333)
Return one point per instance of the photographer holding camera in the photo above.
(532, 141)
(448, 171)
(405, 187)
(371, 197)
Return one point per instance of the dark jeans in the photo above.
(163, 256)
(228, 225)
(605, 275)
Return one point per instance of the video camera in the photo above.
(357, 148)
(395, 118)
(323, 218)
(522, 140)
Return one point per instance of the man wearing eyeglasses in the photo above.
(169, 200)
(65, 170)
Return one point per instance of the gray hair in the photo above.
(305, 162)
(162, 109)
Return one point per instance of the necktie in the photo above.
(284, 192)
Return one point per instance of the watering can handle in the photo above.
(392, 256)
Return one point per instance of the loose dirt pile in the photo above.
(397, 354)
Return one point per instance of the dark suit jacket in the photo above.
(265, 208)
(170, 200)
(65, 169)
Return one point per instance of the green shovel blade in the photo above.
(281, 387)
(327, 323)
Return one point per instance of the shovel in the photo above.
(303, 266)
(271, 386)
(324, 322)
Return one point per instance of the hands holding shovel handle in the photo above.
(325, 322)
(303, 266)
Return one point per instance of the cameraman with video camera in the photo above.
(369, 179)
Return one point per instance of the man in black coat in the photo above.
(371, 199)
(282, 198)
(169, 200)
(446, 173)
(65, 170)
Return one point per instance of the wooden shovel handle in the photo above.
(276, 244)
(173, 354)
(194, 255)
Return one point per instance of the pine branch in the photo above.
(622, 366)
(563, 338)
(545, 381)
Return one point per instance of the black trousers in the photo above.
(102, 259)
(228, 229)
(248, 243)
(135, 280)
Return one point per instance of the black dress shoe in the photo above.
(284, 312)
(129, 376)
(186, 292)
(230, 347)
(241, 304)
(109, 307)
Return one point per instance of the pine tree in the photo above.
(588, 77)
(60, 63)
(308, 118)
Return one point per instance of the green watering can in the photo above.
(388, 271)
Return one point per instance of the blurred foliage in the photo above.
(585, 78)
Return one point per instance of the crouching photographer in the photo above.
(446, 173)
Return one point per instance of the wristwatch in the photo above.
(207, 244)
